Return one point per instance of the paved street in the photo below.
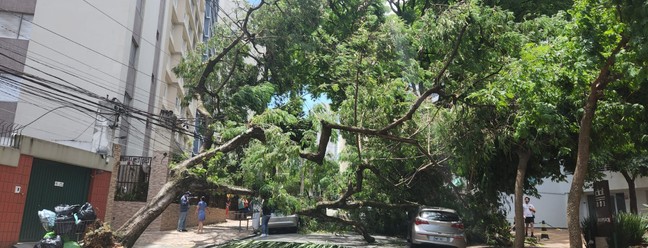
(228, 231)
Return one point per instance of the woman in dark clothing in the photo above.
(265, 211)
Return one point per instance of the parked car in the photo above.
(435, 225)
(281, 221)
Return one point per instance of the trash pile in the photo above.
(65, 225)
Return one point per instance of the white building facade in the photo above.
(552, 204)
(87, 74)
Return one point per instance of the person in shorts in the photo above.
(529, 216)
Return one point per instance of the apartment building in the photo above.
(90, 109)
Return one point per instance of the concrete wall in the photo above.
(92, 48)
(168, 220)
(12, 204)
(64, 154)
(551, 206)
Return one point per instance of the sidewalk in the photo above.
(558, 238)
(213, 234)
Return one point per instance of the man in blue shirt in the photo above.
(184, 207)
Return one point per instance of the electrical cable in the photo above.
(125, 106)
(143, 113)
(159, 98)
(128, 109)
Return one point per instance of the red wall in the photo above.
(12, 204)
(98, 196)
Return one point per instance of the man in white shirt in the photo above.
(529, 215)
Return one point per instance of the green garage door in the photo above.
(50, 184)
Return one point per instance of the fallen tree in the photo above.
(180, 180)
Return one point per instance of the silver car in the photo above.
(439, 226)
(280, 221)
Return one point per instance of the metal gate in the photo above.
(50, 184)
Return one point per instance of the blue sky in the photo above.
(309, 101)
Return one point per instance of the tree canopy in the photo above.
(446, 103)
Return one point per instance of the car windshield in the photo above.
(439, 215)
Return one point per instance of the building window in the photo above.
(133, 178)
(15, 25)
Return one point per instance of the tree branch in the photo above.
(179, 181)
(435, 89)
(326, 135)
(209, 68)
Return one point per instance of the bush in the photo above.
(588, 227)
(628, 230)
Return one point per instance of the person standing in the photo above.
(201, 208)
(227, 207)
(255, 205)
(266, 212)
(184, 207)
(529, 216)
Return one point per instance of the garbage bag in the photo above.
(71, 244)
(86, 212)
(80, 227)
(64, 225)
(47, 218)
(56, 242)
(49, 235)
(65, 209)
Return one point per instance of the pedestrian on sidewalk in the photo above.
(529, 216)
(184, 207)
(201, 208)
(266, 212)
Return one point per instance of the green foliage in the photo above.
(588, 227)
(275, 244)
(515, 82)
(629, 230)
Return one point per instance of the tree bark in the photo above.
(582, 158)
(524, 154)
(632, 191)
(179, 181)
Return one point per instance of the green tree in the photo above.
(620, 130)
(611, 32)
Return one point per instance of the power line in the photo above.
(131, 127)
(158, 98)
(86, 47)
(60, 94)
(79, 77)
(124, 109)
(80, 90)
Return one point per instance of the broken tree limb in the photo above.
(179, 181)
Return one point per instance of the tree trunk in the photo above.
(179, 181)
(576, 190)
(582, 159)
(302, 175)
(523, 161)
(632, 191)
(128, 233)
